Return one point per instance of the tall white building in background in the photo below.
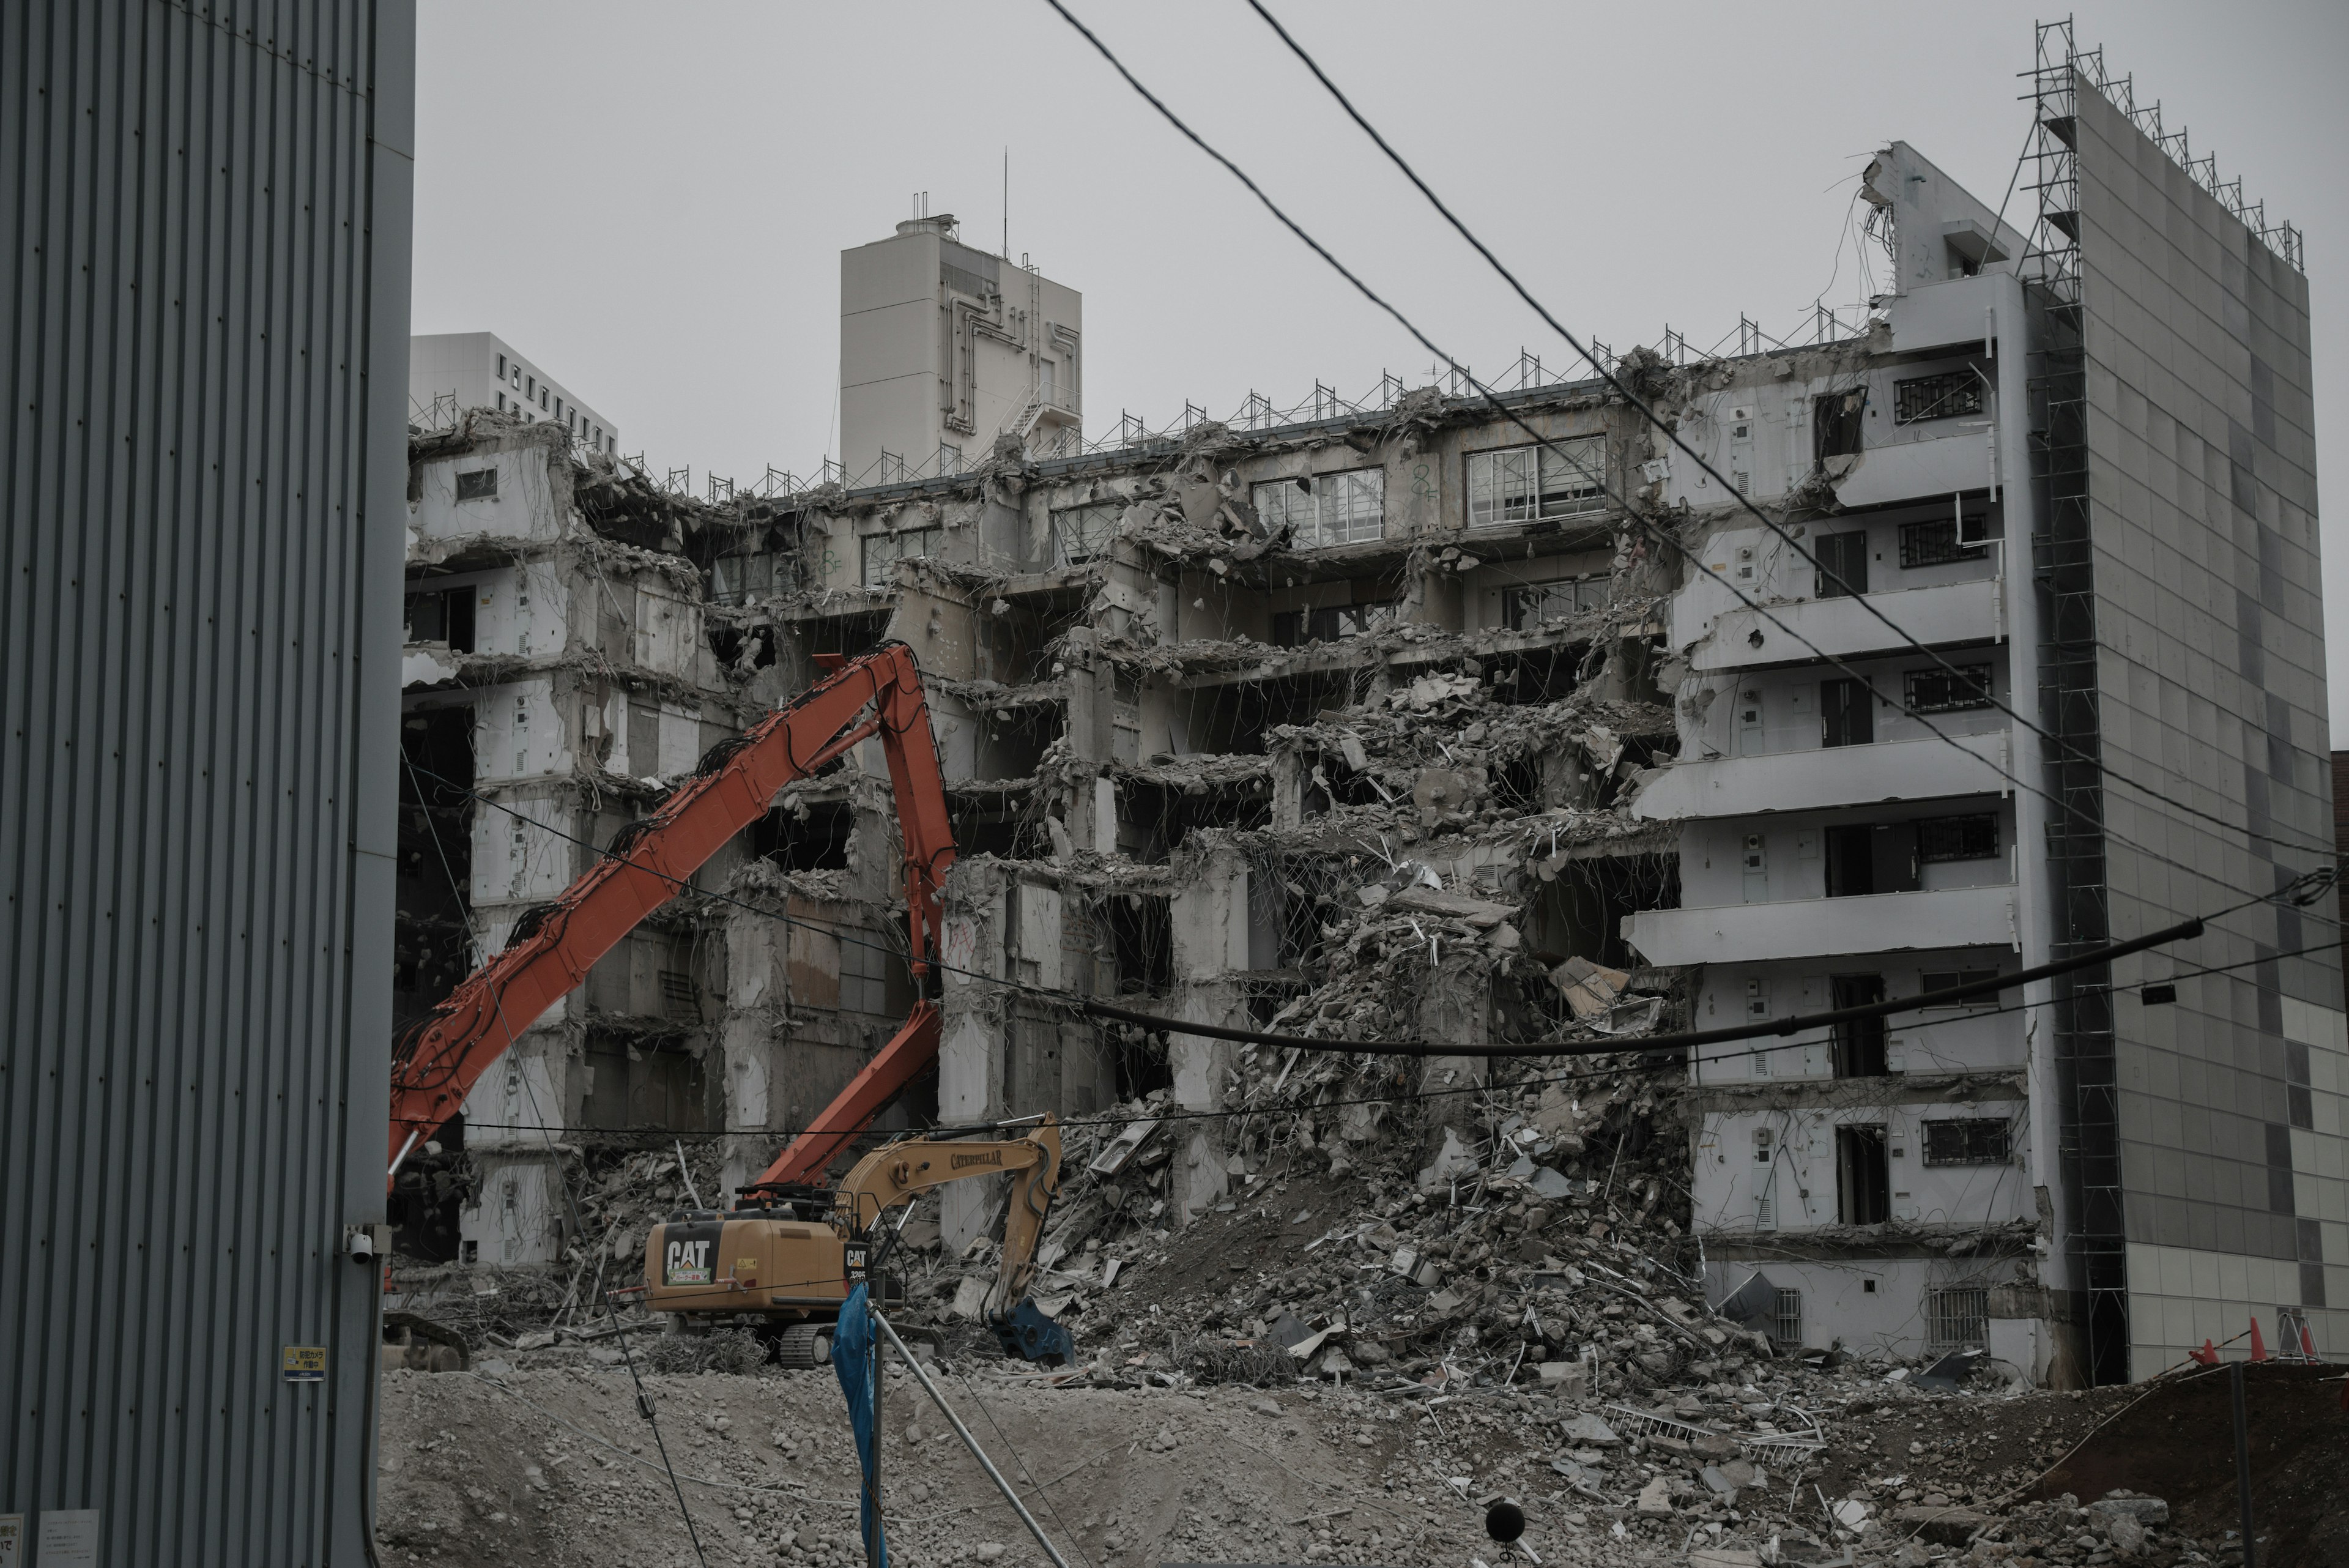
(454, 370)
(943, 349)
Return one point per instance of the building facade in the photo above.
(2025, 659)
(452, 371)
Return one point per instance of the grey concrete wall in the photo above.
(2211, 674)
(204, 243)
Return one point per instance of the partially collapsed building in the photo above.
(1479, 719)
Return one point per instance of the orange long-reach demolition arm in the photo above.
(552, 949)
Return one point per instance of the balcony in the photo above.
(1824, 928)
(1927, 769)
(1844, 627)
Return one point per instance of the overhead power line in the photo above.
(1673, 435)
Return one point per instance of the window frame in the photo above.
(1588, 591)
(1536, 501)
(1916, 555)
(1948, 1307)
(476, 491)
(1959, 823)
(1965, 1152)
(1313, 493)
(1966, 382)
(1097, 547)
(1910, 679)
(929, 538)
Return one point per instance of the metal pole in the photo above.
(880, 1430)
(2243, 1460)
(971, 1443)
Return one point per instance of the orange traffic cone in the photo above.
(2207, 1355)
(2258, 1346)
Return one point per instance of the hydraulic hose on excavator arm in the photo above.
(551, 948)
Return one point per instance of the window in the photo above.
(1045, 379)
(1948, 690)
(542, 397)
(1326, 509)
(1863, 1179)
(1949, 979)
(1295, 629)
(441, 615)
(1529, 607)
(1837, 420)
(1843, 564)
(734, 579)
(1868, 859)
(864, 972)
(501, 367)
(949, 459)
(1846, 713)
(1957, 1317)
(1936, 544)
(1786, 1320)
(480, 484)
(1958, 838)
(1941, 397)
(502, 402)
(1082, 534)
(530, 388)
(559, 413)
(680, 1001)
(1857, 1044)
(884, 551)
(514, 376)
(1968, 1140)
(1564, 479)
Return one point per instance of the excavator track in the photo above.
(804, 1346)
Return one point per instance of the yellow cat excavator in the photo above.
(790, 1254)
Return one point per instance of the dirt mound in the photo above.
(2178, 1443)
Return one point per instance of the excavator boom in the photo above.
(551, 949)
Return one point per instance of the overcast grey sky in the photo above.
(651, 200)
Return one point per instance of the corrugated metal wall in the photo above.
(203, 259)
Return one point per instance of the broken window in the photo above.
(480, 484)
(679, 1000)
(806, 835)
(1295, 629)
(1837, 420)
(1971, 837)
(1948, 690)
(1863, 1177)
(1968, 1140)
(1141, 929)
(1846, 713)
(884, 551)
(1082, 534)
(1857, 1044)
(1936, 544)
(1843, 564)
(1531, 606)
(1521, 485)
(734, 579)
(1867, 859)
(1941, 397)
(1957, 1317)
(441, 615)
(1345, 508)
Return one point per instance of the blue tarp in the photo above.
(852, 1360)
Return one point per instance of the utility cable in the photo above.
(570, 1200)
(1662, 534)
(2309, 886)
(1630, 1046)
(1630, 397)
